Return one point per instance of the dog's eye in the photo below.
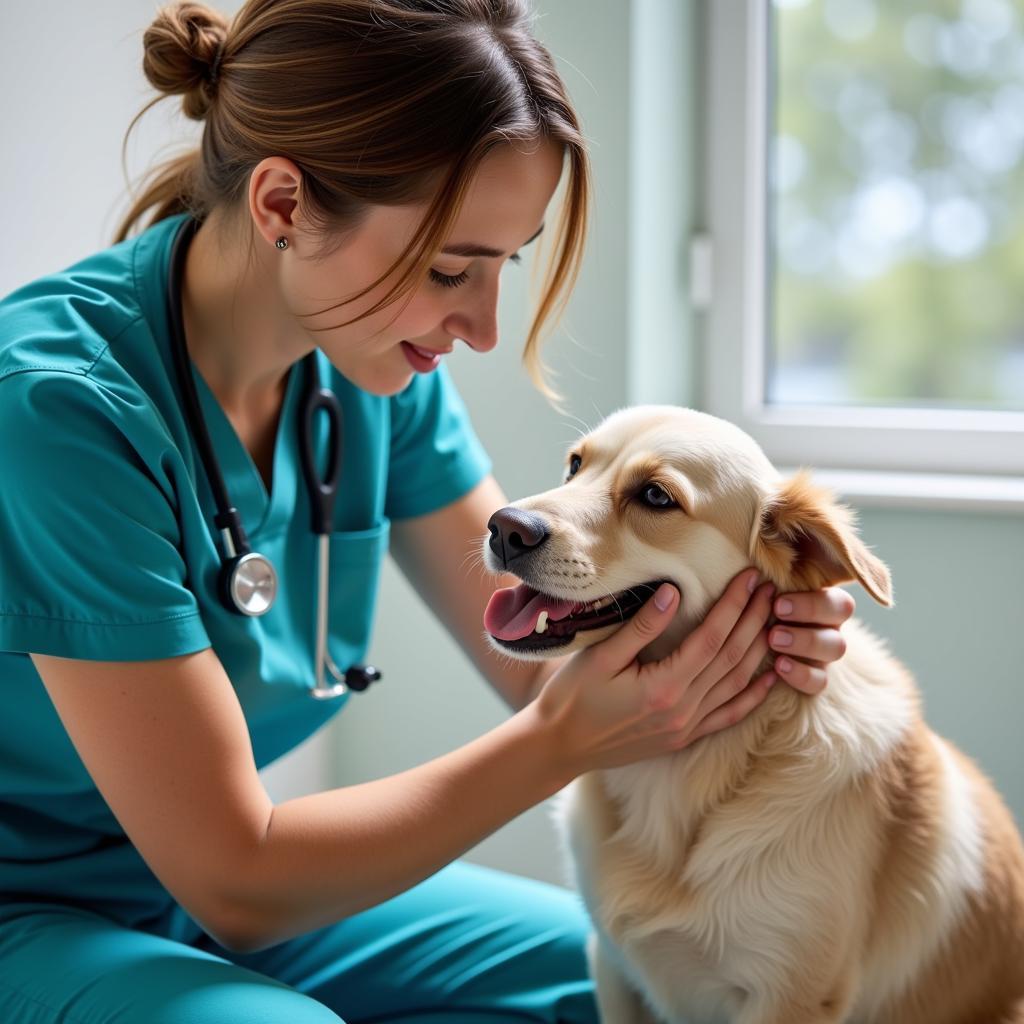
(574, 464)
(656, 497)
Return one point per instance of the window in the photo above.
(865, 206)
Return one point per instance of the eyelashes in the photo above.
(448, 280)
(454, 280)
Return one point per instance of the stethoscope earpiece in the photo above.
(247, 582)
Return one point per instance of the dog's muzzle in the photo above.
(527, 619)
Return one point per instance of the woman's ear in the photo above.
(804, 540)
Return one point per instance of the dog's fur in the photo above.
(829, 858)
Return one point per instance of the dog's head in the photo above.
(661, 493)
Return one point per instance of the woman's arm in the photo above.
(167, 745)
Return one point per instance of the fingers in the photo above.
(831, 606)
(808, 642)
(716, 638)
(743, 650)
(818, 644)
(621, 648)
(805, 678)
(681, 680)
(734, 710)
(710, 697)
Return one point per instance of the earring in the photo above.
(282, 243)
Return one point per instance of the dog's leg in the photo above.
(617, 1001)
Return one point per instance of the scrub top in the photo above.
(108, 549)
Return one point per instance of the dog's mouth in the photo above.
(523, 618)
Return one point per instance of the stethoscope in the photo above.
(247, 582)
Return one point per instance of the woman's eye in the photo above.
(574, 464)
(657, 497)
(448, 280)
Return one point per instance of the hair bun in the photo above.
(183, 47)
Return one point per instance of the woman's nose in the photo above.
(477, 325)
(481, 339)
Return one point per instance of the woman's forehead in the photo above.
(503, 209)
(506, 200)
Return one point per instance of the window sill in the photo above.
(877, 489)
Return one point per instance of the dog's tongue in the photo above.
(512, 613)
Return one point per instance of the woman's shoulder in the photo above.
(65, 321)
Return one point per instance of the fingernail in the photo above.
(752, 583)
(784, 607)
(782, 638)
(663, 597)
(783, 664)
(772, 680)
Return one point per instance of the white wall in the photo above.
(70, 82)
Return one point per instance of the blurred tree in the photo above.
(897, 202)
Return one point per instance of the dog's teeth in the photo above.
(592, 606)
(542, 622)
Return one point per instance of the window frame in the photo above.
(734, 329)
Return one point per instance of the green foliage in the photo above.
(898, 201)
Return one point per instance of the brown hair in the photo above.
(377, 102)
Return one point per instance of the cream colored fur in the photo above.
(828, 859)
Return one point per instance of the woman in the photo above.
(366, 169)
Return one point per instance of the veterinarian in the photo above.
(187, 585)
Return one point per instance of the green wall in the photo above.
(957, 624)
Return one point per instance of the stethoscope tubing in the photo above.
(227, 520)
(321, 690)
(322, 488)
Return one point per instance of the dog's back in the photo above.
(828, 859)
(974, 862)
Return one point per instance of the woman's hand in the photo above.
(606, 709)
(813, 640)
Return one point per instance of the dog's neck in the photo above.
(845, 731)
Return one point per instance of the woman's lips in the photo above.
(431, 351)
(422, 360)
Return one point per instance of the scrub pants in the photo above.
(469, 945)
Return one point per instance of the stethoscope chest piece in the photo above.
(248, 583)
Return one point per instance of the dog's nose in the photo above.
(514, 533)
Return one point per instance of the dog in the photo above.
(827, 859)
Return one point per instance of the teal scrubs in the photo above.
(108, 552)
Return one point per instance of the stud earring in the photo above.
(282, 243)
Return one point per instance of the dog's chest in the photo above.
(690, 917)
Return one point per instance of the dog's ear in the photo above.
(804, 540)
